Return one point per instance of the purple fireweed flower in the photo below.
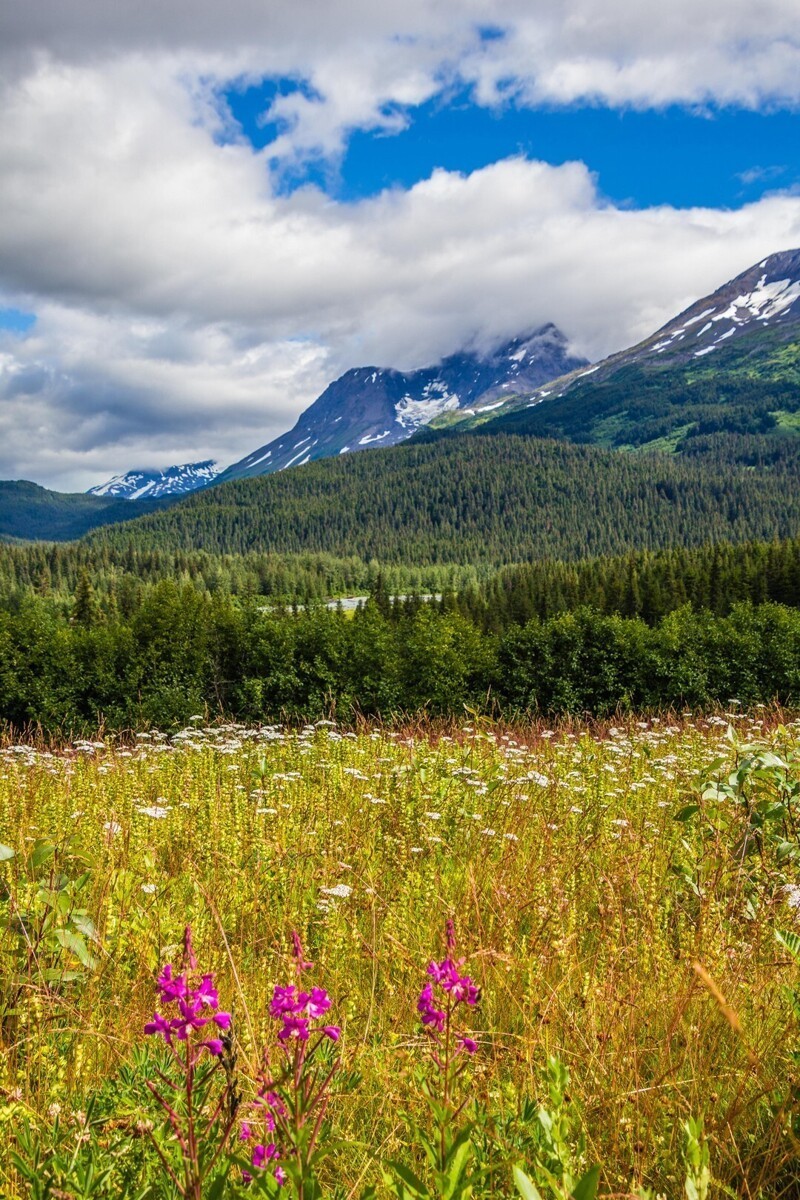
(450, 933)
(283, 1001)
(460, 987)
(280, 1176)
(264, 1154)
(317, 1003)
(431, 1016)
(275, 1103)
(246, 1132)
(190, 1003)
(332, 1031)
(173, 987)
(189, 1019)
(206, 994)
(160, 1025)
(467, 1043)
(294, 1027)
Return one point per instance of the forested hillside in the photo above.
(28, 511)
(740, 410)
(478, 500)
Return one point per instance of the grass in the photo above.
(581, 905)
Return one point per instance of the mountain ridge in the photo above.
(374, 406)
(760, 306)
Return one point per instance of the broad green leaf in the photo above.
(525, 1186)
(76, 944)
(457, 1162)
(42, 851)
(790, 941)
(586, 1187)
(687, 812)
(86, 925)
(5, 853)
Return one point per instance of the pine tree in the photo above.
(85, 610)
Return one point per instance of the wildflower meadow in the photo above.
(434, 961)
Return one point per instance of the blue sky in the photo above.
(209, 211)
(717, 157)
(16, 321)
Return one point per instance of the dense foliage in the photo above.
(477, 500)
(134, 646)
(118, 576)
(640, 583)
(182, 653)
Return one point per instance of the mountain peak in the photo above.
(151, 485)
(379, 406)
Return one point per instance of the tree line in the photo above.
(184, 653)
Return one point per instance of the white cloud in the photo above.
(186, 309)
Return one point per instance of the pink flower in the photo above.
(332, 1031)
(222, 1020)
(431, 1016)
(283, 1001)
(246, 1132)
(294, 1027)
(214, 1046)
(280, 1176)
(467, 1043)
(160, 1025)
(317, 1003)
(173, 987)
(206, 994)
(264, 1154)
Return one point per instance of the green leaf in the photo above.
(789, 941)
(586, 1187)
(85, 925)
(457, 1162)
(525, 1186)
(42, 851)
(688, 811)
(76, 944)
(5, 853)
(409, 1180)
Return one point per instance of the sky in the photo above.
(208, 212)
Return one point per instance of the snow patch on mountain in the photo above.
(152, 485)
(412, 413)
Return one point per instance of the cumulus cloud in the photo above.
(187, 307)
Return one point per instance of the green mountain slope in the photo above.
(723, 377)
(31, 512)
(495, 499)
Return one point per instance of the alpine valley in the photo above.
(688, 437)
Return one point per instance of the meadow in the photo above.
(624, 896)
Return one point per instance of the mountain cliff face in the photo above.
(727, 369)
(369, 406)
(152, 485)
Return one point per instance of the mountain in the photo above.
(31, 512)
(369, 406)
(152, 485)
(724, 374)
